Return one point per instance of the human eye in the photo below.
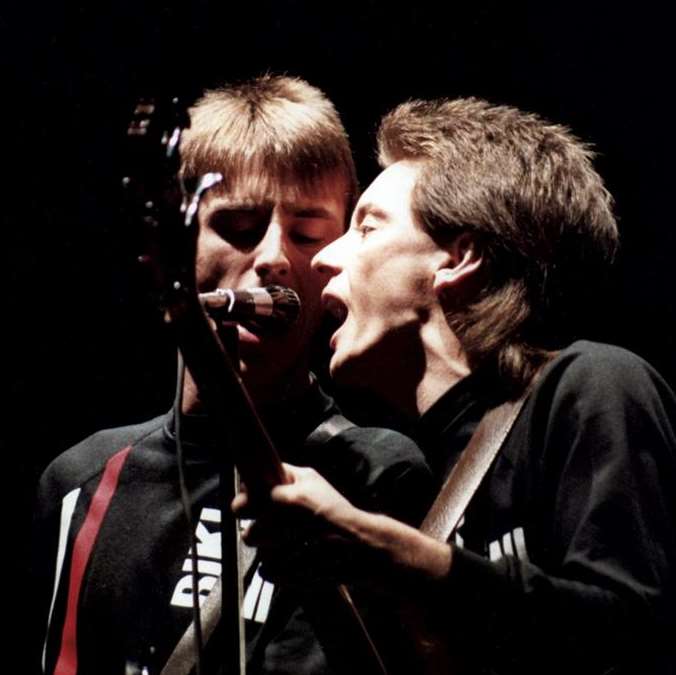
(242, 228)
(306, 239)
(313, 231)
(307, 232)
(364, 228)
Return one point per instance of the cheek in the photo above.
(393, 286)
(375, 279)
(209, 269)
(217, 263)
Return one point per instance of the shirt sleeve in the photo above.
(379, 470)
(596, 594)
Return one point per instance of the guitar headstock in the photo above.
(155, 198)
(157, 128)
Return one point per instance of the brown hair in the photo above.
(527, 192)
(278, 129)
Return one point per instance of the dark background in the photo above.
(83, 349)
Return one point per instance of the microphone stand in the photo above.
(232, 638)
(213, 364)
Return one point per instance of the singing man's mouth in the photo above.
(335, 307)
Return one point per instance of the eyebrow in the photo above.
(370, 209)
(224, 205)
(309, 211)
(239, 205)
(298, 210)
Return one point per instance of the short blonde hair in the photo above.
(278, 129)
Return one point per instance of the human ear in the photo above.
(460, 266)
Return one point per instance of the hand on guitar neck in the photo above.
(308, 530)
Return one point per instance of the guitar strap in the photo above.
(182, 659)
(466, 476)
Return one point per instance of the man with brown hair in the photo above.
(114, 588)
(463, 256)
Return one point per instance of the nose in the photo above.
(271, 259)
(329, 260)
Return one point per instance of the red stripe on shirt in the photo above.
(84, 543)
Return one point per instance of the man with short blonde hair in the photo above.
(114, 554)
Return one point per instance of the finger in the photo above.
(245, 534)
(240, 502)
(299, 482)
(284, 494)
(251, 535)
(291, 473)
(244, 507)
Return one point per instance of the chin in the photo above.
(349, 370)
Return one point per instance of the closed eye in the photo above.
(313, 231)
(243, 228)
(305, 240)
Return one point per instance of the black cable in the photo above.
(187, 510)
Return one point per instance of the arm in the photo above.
(598, 585)
(589, 476)
(398, 548)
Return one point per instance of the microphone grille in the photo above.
(285, 303)
(272, 307)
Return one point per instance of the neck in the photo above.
(446, 364)
(262, 393)
(441, 364)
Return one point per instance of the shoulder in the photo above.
(604, 375)
(379, 442)
(586, 357)
(88, 458)
(602, 398)
(373, 451)
(374, 467)
(337, 436)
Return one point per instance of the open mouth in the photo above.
(338, 311)
(335, 307)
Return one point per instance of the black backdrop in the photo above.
(84, 350)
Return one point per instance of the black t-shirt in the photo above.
(566, 558)
(112, 563)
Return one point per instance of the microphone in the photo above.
(272, 306)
